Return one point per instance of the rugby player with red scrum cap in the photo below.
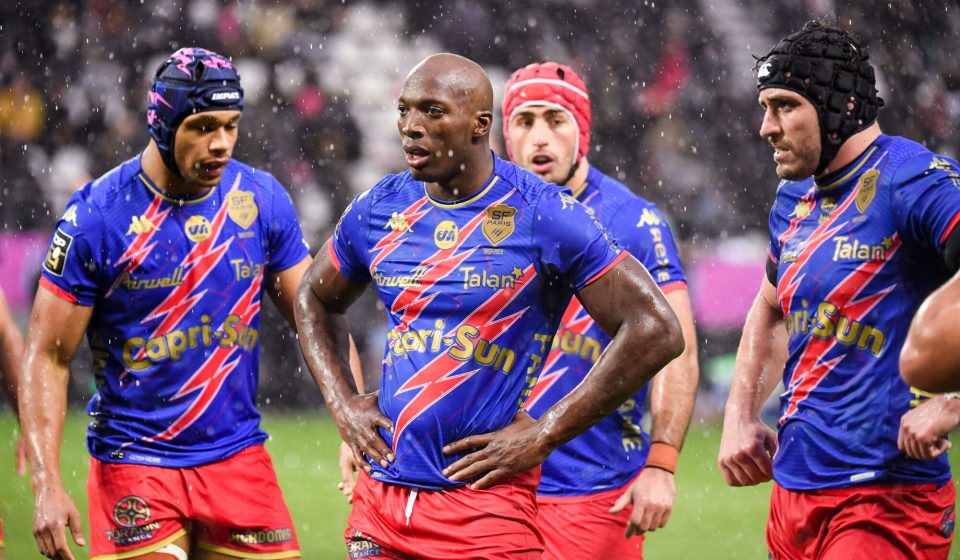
(601, 491)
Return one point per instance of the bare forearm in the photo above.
(43, 404)
(674, 389)
(11, 359)
(760, 359)
(637, 352)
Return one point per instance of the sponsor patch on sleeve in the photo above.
(57, 255)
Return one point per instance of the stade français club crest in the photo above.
(499, 223)
(867, 189)
(241, 208)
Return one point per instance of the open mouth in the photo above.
(416, 156)
(211, 169)
(541, 163)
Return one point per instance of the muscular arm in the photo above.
(674, 389)
(283, 287)
(11, 354)
(747, 446)
(322, 301)
(56, 327)
(626, 303)
(930, 359)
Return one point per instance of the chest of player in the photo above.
(839, 261)
(451, 259)
(184, 251)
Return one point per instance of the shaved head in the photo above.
(463, 78)
(445, 113)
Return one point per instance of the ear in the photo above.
(483, 125)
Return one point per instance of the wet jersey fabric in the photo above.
(176, 286)
(854, 260)
(474, 291)
(611, 452)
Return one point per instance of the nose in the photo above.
(220, 140)
(540, 133)
(410, 125)
(770, 127)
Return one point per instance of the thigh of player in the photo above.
(581, 528)
(135, 510)
(239, 510)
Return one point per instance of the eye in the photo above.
(402, 109)
(435, 111)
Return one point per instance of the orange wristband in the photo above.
(663, 456)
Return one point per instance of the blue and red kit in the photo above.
(853, 259)
(176, 286)
(611, 452)
(474, 291)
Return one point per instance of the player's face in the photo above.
(543, 140)
(436, 129)
(791, 127)
(203, 144)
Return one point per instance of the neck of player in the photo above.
(852, 148)
(475, 170)
(579, 180)
(175, 187)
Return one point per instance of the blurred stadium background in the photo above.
(675, 117)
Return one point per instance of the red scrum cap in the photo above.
(553, 85)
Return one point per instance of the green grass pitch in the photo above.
(710, 520)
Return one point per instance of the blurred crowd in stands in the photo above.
(672, 86)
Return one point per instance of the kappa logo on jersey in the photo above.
(197, 228)
(867, 190)
(826, 209)
(241, 208)
(446, 234)
(70, 216)
(568, 201)
(140, 225)
(499, 224)
(648, 218)
(398, 222)
(57, 255)
(802, 209)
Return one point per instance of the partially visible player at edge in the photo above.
(862, 230)
(475, 260)
(931, 356)
(11, 356)
(590, 482)
(163, 262)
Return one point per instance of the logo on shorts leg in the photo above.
(132, 514)
(947, 523)
(131, 511)
(360, 546)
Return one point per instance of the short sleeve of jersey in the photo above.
(641, 229)
(349, 243)
(573, 243)
(287, 245)
(926, 190)
(72, 266)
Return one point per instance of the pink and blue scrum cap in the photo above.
(192, 80)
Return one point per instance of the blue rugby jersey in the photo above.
(474, 290)
(855, 258)
(611, 452)
(175, 286)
